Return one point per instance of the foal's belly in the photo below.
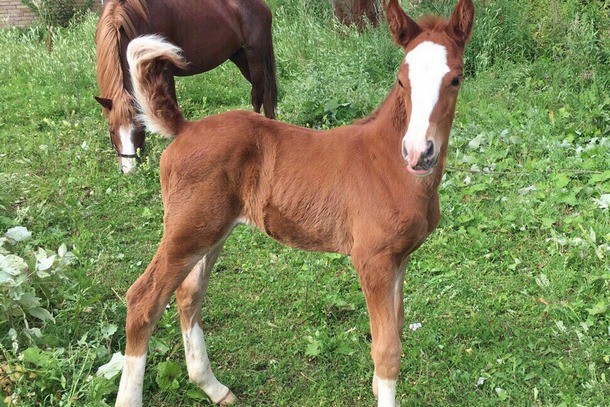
(305, 230)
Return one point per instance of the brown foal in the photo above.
(369, 190)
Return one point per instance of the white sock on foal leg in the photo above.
(198, 366)
(132, 380)
(386, 392)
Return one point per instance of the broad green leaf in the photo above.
(37, 356)
(108, 330)
(562, 180)
(592, 235)
(41, 313)
(28, 300)
(600, 308)
(12, 264)
(502, 394)
(167, 375)
(600, 178)
(196, 394)
(314, 348)
(158, 346)
(603, 202)
(112, 368)
(345, 349)
(6, 279)
(18, 233)
(35, 332)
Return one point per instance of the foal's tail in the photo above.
(148, 56)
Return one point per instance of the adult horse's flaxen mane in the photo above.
(209, 34)
(115, 18)
(368, 190)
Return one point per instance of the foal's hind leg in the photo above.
(146, 301)
(189, 297)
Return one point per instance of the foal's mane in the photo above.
(116, 17)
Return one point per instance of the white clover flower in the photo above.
(414, 327)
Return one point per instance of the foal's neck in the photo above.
(388, 125)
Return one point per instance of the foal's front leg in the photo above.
(381, 279)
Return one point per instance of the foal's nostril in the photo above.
(429, 150)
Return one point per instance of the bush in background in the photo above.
(56, 13)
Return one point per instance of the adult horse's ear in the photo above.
(106, 103)
(402, 27)
(460, 24)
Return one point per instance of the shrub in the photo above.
(57, 13)
(26, 282)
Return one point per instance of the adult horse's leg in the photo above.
(262, 77)
(240, 60)
(380, 278)
(258, 48)
(189, 297)
(258, 83)
(258, 89)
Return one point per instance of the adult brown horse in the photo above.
(209, 32)
(369, 190)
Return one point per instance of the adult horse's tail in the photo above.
(147, 57)
(270, 91)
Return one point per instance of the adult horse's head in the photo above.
(430, 77)
(126, 133)
(114, 29)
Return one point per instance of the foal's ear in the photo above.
(106, 103)
(402, 27)
(460, 24)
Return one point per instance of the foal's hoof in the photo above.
(228, 399)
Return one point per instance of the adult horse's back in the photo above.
(209, 32)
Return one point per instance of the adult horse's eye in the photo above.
(456, 81)
(400, 83)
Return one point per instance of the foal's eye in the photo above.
(400, 84)
(456, 81)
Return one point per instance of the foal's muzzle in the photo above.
(421, 164)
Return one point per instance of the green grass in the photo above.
(512, 288)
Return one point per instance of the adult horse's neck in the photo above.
(387, 126)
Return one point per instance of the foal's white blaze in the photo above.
(128, 165)
(132, 379)
(198, 366)
(427, 64)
